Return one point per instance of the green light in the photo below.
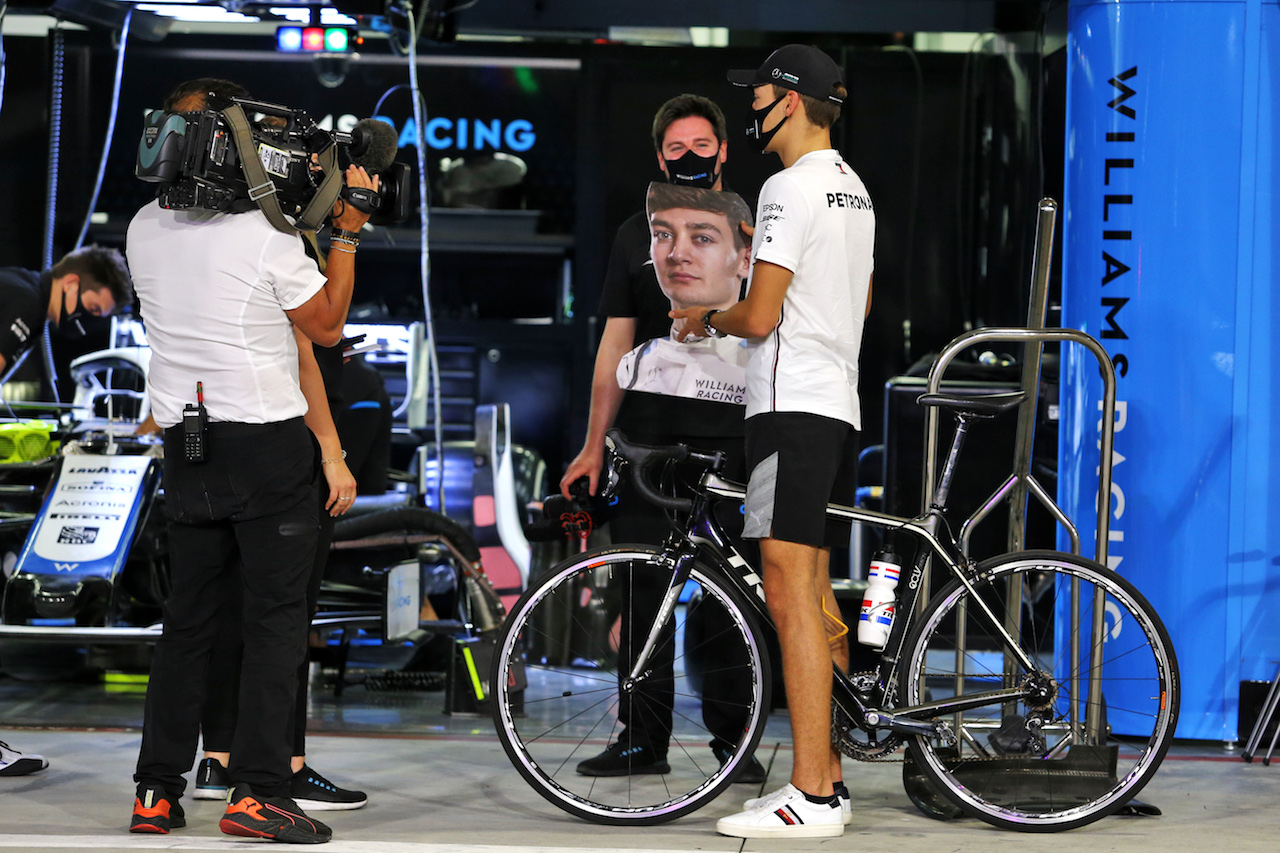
(526, 80)
(335, 39)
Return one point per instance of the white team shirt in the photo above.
(815, 219)
(213, 289)
(700, 369)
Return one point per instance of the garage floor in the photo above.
(440, 783)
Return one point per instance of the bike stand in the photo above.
(1009, 769)
(1260, 726)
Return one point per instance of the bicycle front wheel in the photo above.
(1063, 755)
(559, 695)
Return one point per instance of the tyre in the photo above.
(556, 696)
(1031, 765)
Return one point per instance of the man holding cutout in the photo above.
(809, 295)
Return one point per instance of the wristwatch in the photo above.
(712, 331)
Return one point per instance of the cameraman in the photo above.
(220, 293)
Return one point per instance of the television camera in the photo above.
(238, 154)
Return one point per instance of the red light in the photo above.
(313, 38)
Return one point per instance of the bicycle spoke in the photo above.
(1025, 764)
(550, 713)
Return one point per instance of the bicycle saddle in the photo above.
(976, 405)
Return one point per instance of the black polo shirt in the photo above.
(24, 302)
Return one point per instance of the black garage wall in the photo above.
(946, 143)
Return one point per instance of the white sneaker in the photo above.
(14, 763)
(846, 805)
(786, 814)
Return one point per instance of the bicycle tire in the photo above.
(554, 687)
(1041, 777)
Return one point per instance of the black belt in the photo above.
(235, 429)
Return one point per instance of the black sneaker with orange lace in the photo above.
(154, 811)
(276, 818)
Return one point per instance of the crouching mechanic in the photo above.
(221, 293)
(809, 295)
(88, 281)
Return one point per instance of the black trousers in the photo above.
(242, 522)
(222, 697)
(646, 713)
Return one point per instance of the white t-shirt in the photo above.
(815, 219)
(702, 369)
(213, 289)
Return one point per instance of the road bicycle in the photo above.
(1036, 690)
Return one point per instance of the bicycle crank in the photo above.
(907, 726)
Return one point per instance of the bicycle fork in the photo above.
(678, 558)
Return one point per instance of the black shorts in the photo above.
(799, 463)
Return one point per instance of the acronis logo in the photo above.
(442, 133)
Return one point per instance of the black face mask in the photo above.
(693, 170)
(69, 325)
(757, 138)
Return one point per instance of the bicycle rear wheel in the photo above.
(1031, 765)
(556, 695)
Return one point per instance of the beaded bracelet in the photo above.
(342, 232)
(338, 459)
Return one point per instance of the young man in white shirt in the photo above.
(809, 294)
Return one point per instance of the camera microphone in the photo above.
(374, 145)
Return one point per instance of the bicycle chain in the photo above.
(860, 746)
(1033, 722)
(856, 743)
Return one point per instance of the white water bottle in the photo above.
(878, 601)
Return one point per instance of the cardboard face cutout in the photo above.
(701, 257)
(699, 251)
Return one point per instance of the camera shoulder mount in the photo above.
(263, 191)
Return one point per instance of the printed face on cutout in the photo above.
(696, 258)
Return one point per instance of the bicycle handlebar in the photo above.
(644, 457)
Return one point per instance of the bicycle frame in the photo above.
(866, 712)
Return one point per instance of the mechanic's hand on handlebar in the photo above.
(347, 216)
(586, 464)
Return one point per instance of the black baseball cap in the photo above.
(800, 67)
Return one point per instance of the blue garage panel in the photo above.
(1167, 262)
